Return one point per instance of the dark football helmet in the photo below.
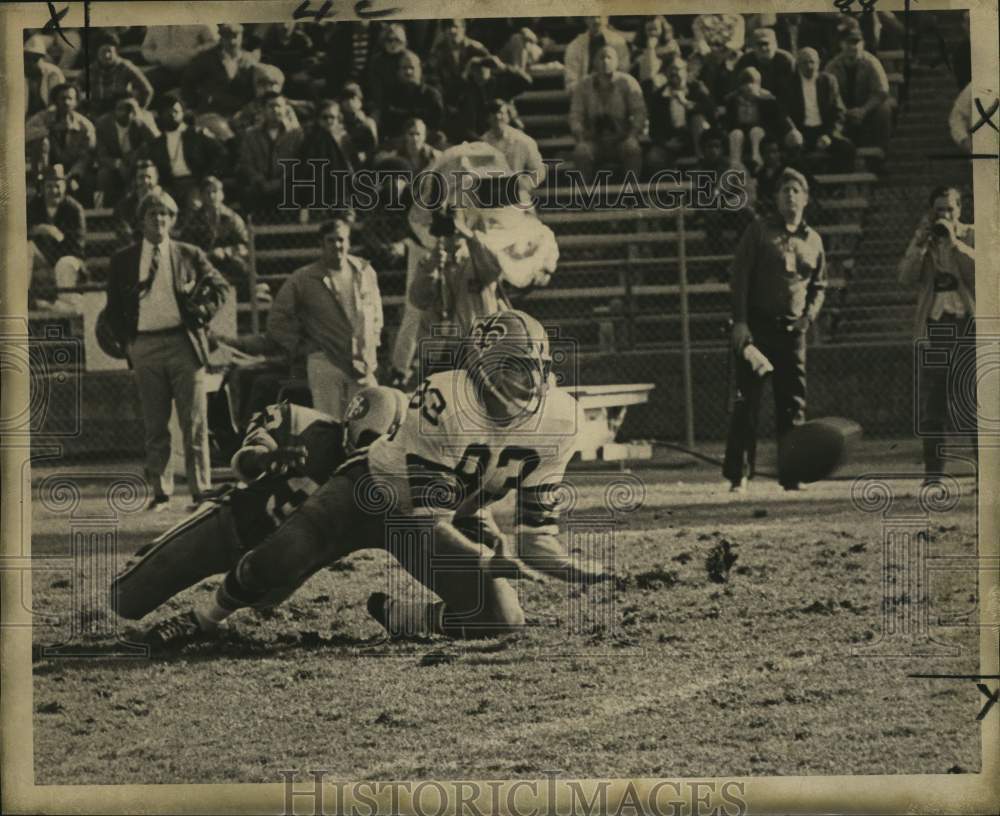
(372, 412)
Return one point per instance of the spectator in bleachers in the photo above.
(331, 311)
(768, 175)
(778, 281)
(56, 220)
(864, 88)
(448, 60)
(268, 79)
(111, 75)
(718, 71)
(960, 120)
(219, 81)
(712, 32)
(413, 149)
(607, 116)
(753, 113)
(655, 48)
(520, 150)
(581, 54)
(121, 136)
(145, 180)
(288, 47)
(522, 50)
(41, 76)
(680, 110)
(940, 262)
(221, 234)
(382, 71)
(776, 66)
(817, 111)
(170, 49)
(488, 79)
(183, 155)
(349, 48)
(60, 134)
(57, 227)
(360, 127)
(261, 148)
(328, 140)
(409, 97)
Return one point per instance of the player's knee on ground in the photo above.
(499, 612)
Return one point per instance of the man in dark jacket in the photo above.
(161, 295)
(407, 98)
(816, 109)
(121, 137)
(488, 80)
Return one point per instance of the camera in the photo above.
(941, 229)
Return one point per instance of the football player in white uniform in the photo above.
(470, 436)
(287, 453)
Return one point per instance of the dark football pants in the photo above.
(787, 352)
(947, 384)
(346, 515)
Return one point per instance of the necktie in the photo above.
(154, 267)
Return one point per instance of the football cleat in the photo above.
(507, 356)
(175, 633)
(374, 411)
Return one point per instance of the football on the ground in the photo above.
(814, 450)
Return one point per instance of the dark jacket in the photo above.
(204, 154)
(403, 101)
(109, 148)
(771, 115)
(191, 268)
(69, 218)
(473, 99)
(776, 75)
(660, 125)
(208, 88)
(831, 106)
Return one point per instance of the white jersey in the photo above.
(448, 456)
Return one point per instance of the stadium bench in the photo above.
(604, 408)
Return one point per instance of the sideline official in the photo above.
(778, 285)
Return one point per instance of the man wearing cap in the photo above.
(41, 76)
(111, 76)
(161, 294)
(488, 79)
(776, 66)
(57, 227)
(778, 281)
(331, 312)
(183, 155)
(62, 135)
(520, 150)
(121, 136)
(221, 233)
(581, 54)
(607, 115)
(940, 261)
(864, 88)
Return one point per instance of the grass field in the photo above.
(753, 675)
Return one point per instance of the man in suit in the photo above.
(331, 312)
(161, 295)
(121, 136)
(183, 155)
(817, 111)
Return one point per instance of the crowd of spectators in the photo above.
(206, 113)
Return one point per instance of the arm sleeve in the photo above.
(960, 118)
(140, 85)
(636, 108)
(425, 288)
(908, 271)
(282, 321)
(741, 270)
(816, 292)
(837, 105)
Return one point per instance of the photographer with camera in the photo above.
(940, 260)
